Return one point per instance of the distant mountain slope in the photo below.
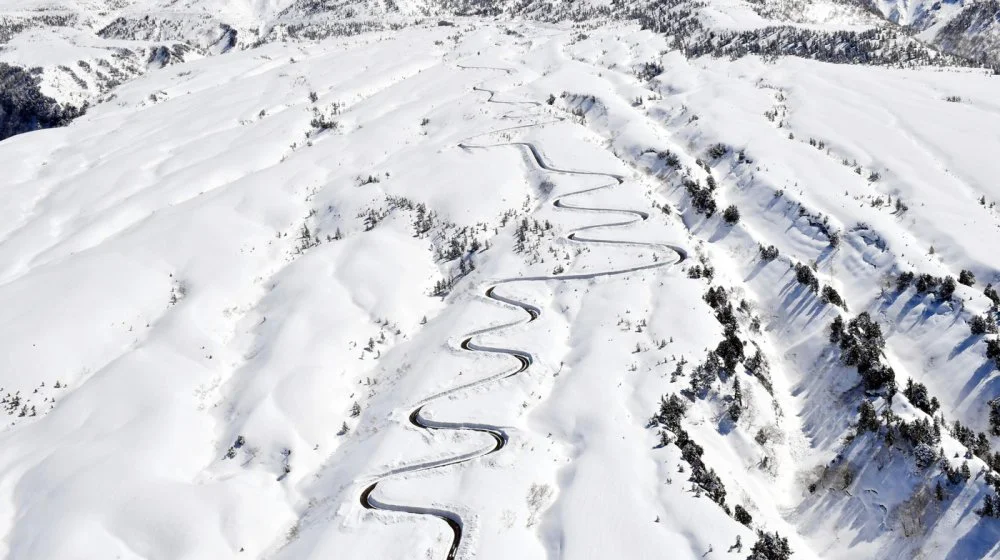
(85, 48)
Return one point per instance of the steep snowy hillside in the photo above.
(479, 288)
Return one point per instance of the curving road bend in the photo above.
(498, 437)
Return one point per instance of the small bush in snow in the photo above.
(322, 122)
(731, 214)
(757, 366)
(717, 151)
(768, 253)
(670, 159)
(967, 278)
(980, 325)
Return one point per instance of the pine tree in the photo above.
(868, 420)
(731, 214)
(742, 515)
(770, 547)
(995, 416)
(989, 508)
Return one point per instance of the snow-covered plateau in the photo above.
(629, 285)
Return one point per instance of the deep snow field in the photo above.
(235, 291)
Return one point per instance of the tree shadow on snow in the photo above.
(981, 373)
(756, 270)
(722, 230)
(797, 298)
(910, 305)
(830, 393)
(978, 542)
(964, 345)
(824, 254)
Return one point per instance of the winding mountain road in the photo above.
(498, 436)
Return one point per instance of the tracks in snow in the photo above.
(498, 435)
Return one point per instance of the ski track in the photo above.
(498, 435)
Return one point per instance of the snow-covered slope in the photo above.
(77, 51)
(506, 289)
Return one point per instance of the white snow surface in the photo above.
(194, 302)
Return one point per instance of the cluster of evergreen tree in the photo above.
(647, 71)
(916, 393)
(861, 344)
(768, 253)
(978, 444)
(829, 295)
(702, 198)
(11, 26)
(717, 151)
(991, 293)
(980, 324)
(669, 159)
(522, 235)
(943, 288)
(720, 363)
(758, 366)
(770, 546)
(964, 34)
(672, 410)
(702, 270)
(24, 108)
(882, 46)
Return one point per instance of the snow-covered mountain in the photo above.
(79, 50)
(312, 279)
